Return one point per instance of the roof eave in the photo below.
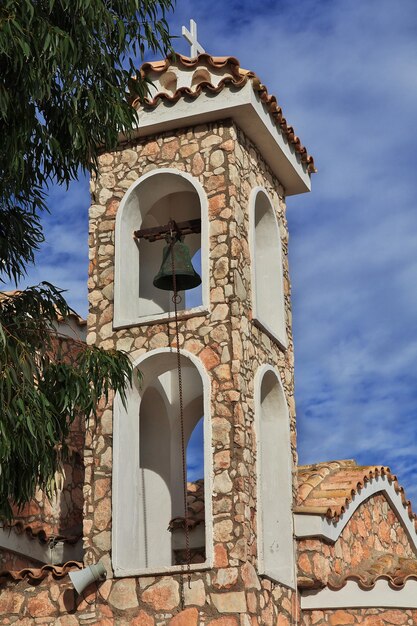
(250, 114)
(25, 544)
(352, 596)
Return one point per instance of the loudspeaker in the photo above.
(86, 576)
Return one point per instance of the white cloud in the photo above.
(345, 75)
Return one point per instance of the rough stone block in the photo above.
(123, 595)
(229, 602)
(163, 595)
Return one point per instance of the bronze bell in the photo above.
(185, 275)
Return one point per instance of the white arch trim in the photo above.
(307, 525)
(122, 523)
(119, 320)
(382, 596)
(284, 569)
(281, 335)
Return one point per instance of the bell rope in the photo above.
(176, 299)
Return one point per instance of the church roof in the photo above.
(211, 76)
(195, 501)
(395, 569)
(195, 505)
(327, 488)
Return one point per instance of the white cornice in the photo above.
(351, 596)
(250, 114)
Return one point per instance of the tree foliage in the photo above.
(43, 388)
(64, 67)
(64, 70)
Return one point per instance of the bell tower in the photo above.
(210, 164)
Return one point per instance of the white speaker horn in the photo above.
(86, 576)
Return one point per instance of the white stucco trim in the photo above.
(251, 115)
(122, 523)
(160, 571)
(161, 318)
(351, 596)
(283, 571)
(307, 525)
(53, 554)
(281, 336)
(120, 320)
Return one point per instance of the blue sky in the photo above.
(345, 74)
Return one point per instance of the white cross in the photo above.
(191, 37)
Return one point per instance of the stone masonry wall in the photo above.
(230, 347)
(125, 602)
(365, 617)
(373, 528)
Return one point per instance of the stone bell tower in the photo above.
(212, 147)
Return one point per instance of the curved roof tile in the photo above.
(236, 78)
(326, 488)
(37, 531)
(37, 574)
(394, 569)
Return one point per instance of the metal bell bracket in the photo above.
(160, 232)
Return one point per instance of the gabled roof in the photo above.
(327, 488)
(196, 509)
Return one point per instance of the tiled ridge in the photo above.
(327, 488)
(38, 532)
(395, 569)
(37, 574)
(238, 77)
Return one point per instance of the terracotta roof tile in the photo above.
(326, 488)
(37, 531)
(196, 510)
(234, 77)
(395, 569)
(36, 574)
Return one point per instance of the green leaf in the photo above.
(65, 72)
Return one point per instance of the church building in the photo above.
(254, 540)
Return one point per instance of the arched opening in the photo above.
(194, 297)
(153, 201)
(274, 483)
(267, 268)
(195, 453)
(148, 457)
(195, 498)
